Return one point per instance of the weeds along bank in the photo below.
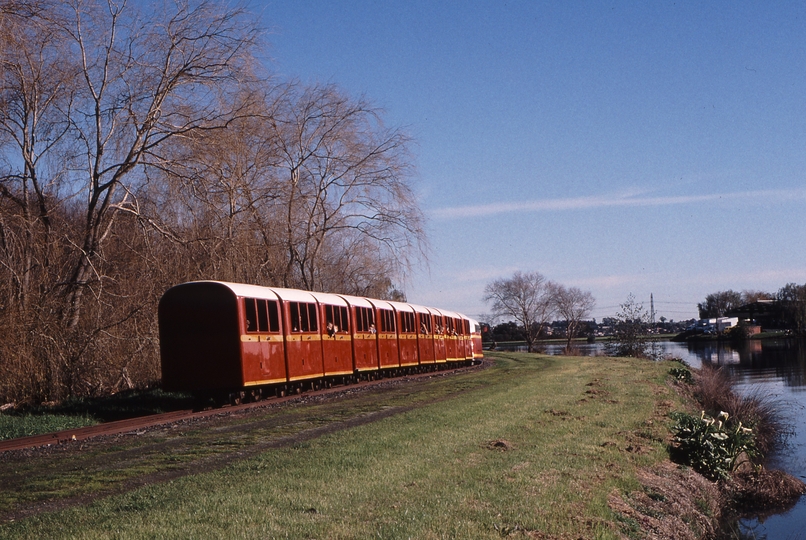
(729, 440)
(724, 438)
(532, 446)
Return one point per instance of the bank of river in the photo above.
(774, 367)
(527, 447)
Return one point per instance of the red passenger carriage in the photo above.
(440, 348)
(364, 334)
(388, 350)
(217, 336)
(425, 335)
(337, 353)
(475, 339)
(407, 343)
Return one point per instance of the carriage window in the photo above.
(337, 316)
(425, 323)
(364, 318)
(251, 315)
(274, 318)
(312, 318)
(407, 322)
(390, 325)
(303, 317)
(262, 316)
(439, 328)
(387, 320)
(293, 307)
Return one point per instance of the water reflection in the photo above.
(757, 360)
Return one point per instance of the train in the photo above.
(237, 342)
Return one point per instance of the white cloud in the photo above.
(604, 201)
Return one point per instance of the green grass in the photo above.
(81, 412)
(14, 426)
(533, 444)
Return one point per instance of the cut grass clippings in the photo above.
(533, 446)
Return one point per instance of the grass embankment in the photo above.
(534, 445)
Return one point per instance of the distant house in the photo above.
(715, 325)
(723, 323)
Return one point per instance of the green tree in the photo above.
(718, 303)
(792, 301)
(629, 336)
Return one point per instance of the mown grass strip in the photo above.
(82, 412)
(532, 444)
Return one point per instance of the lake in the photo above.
(776, 367)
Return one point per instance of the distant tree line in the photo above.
(144, 146)
(786, 308)
(721, 302)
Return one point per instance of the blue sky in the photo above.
(621, 147)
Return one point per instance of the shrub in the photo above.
(713, 389)
(682, 374)
(629, 336)
(712, 446)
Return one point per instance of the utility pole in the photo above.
(652, 309)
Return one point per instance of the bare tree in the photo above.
(220, 198)
(89, 91)
(316, 185)
(528, 298)
(573, 305)
(345, 177)
(146, 79)
(750, 296)
(792, 302)
(36, 87)
(143, 148)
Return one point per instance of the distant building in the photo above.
(763, 313)
(715, 325)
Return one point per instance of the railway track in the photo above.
(107, 428)
(135, 425)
